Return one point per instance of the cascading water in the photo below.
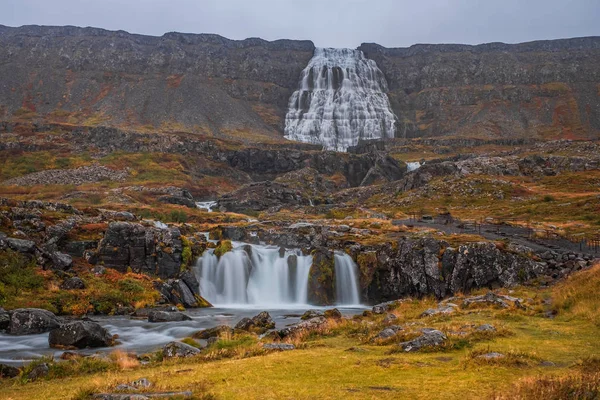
(341, 99)
(346, 280)
(254, 275)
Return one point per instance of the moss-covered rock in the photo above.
(321, 278)
(223, 247)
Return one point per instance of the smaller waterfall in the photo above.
(346, 280)
(254, 275)
(411, 166)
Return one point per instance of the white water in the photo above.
(346, 280)
(261, 279)
(411, 166)
(207, 205)
(341, 99)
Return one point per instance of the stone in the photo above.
(308, 325)
(385, 307)
(386, 333)
(21, 245)
(390, 318)
(259, 323)
(4, 319)
(442, 309)
(488, 298)
(213, 332)
(80, 334)
(189, 278)
(178, 349)
(429, 338)
(61, 261)
(486, 328)
(278, 346)
(29, 321)
(334, 313)
(8, 371)
(491, 356)
(311, 314)
(164, 316)
(74, 283)
(39, 371)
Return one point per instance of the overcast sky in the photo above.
(328, 23)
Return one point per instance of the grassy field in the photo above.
(543, 355)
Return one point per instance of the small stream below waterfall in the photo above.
(244, 281)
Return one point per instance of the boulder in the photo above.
(334, 313)
(80, 334)
(486, 328)
(311, 314)
(21, 245)
(74, 283)
(4, 319)
(386, 333)
(429, 338)
(178, 349)
(189, 278)
(390, 318)
(441, 309)
(213, 332)
(39, 371)
(385, 307)
(8, 371)
(29, 321)
(164, 316)
(308, 325)
(489, 298)
(259, 323)
(321, 278)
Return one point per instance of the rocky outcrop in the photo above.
(178, 349)
(29, 321)
(429, 338)
(145, 249)
(259, 323)
(321, 278)
(420, 267)
(80, 334)
(77, 176)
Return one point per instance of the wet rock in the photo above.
(311, 314)
(8, 371)
(321, 278)
(4, 319)
(39, 371)
(429, 338)
(213, 332)
(145, 312)
(178, 349)
(74, 283)
(189, 278)
(164, 316)
(278, 346)
(334, 313)
(259, 323)
(29, 321)
(80, 334)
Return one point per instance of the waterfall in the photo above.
(341, 99)
(254, 275)
(346, 279)
(412, 166)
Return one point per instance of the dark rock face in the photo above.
(28, 321)
(177, 291)
(436, 89)
(4, 319)
(144, 249)
(321, 278)
(8, 371)
(80, 334)
(61, 261)
(178, 349)
(431, 267)
(164, 316)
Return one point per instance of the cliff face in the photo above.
(90, 76)
(216, 86)
(543, 89)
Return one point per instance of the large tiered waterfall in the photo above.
(265, 276)
(341, 99)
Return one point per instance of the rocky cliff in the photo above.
(212, 85)
(91, 76)
(544, 89)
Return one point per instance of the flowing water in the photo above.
(254, 275)
(346, 280)
(341, 99)
(411, 166)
